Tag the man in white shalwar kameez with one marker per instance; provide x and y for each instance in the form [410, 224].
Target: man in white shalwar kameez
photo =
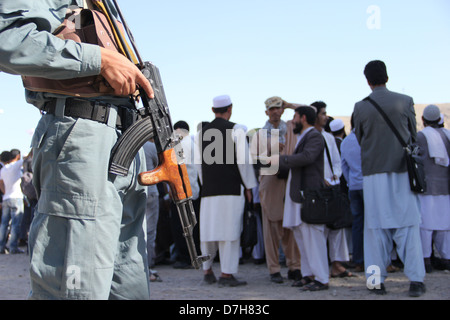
[227, 177]
[392, 210]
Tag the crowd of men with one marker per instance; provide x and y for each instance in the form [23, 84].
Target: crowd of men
[312, 150]
[87, 92]
[389, 220]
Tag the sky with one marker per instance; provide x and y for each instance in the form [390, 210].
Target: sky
[302, 51]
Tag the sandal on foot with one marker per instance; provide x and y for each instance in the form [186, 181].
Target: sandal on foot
[343, 274]
[154, 277]
[302, 282]
[315, 286]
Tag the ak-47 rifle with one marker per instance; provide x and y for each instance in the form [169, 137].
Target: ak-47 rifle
[153, 122]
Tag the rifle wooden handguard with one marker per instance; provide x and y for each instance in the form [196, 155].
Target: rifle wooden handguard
[171, 172]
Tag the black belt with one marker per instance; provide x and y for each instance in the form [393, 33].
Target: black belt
[93, 110]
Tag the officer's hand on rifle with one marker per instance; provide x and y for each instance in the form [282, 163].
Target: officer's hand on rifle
[122, 75]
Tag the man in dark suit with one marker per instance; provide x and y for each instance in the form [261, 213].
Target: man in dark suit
[306, 166]
[306, 169]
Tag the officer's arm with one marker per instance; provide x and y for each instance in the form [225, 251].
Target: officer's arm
[27, 46]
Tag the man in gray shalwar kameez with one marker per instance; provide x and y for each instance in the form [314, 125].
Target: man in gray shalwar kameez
[392, 211]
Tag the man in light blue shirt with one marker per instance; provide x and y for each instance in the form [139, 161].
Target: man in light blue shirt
[87, 239]
[351, 169]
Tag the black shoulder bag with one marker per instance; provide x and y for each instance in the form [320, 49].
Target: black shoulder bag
[327, 205]
[249, 235]
[344, 217]
[415, 168]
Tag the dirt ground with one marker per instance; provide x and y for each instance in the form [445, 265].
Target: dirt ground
[188, 285]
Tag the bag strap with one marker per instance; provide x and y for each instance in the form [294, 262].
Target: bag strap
[388, 121]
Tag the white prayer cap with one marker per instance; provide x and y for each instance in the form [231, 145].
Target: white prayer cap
[441, 122]
[431, 113]
[222, 101]
[336, 125]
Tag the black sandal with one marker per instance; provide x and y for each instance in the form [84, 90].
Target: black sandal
[343, 274]
[315, 286]
[303, 282]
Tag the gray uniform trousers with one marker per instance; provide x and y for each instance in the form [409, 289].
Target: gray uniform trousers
[87, 239]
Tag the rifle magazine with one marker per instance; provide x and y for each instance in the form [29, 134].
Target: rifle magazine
[128, 146]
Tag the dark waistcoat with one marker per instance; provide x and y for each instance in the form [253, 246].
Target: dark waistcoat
[219, 169]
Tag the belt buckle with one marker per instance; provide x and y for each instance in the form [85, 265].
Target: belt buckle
[100, 112]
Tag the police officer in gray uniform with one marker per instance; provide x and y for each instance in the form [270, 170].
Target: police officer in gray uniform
[87, 238]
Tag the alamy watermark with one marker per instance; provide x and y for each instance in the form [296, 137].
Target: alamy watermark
[73, 281]
[373, 22]
[374, 279]
[233, 147]
[74, 21]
